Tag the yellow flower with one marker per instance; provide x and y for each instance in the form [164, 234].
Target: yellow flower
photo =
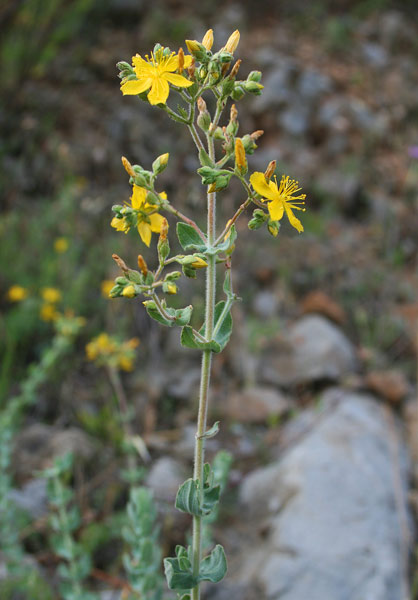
[106, 286]
[233, 41]
[156, 73]
[51, 295]
[61, 245]
[48, 312]
[171, 288]
[17, 293]
[281, 198]
[128, 291]
[207, 41]
[107, 350]
[148, 220]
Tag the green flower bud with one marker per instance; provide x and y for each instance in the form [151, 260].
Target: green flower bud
[254, 76]
[160, 163]
[253, 87]
[228, 86]
[116, 291]
[173, 276]
[273, 227]
[203, 121]
[237, 92]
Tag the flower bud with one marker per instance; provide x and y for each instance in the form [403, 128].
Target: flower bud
[170, 288]
[160, 163]
[128, 166]
[121, 263]
[259, 218]
[142, 265]
[180, 56]
[273, 227]
[234, 69]
[237, 92]
[240, 160]
[129, 291]
[254, 76]
[197, 50]
[199, 263]
[163, 246]
[203, 119]
[253, 87]
[271, 167]
[192, 68]
[233, 41]
[207, 41]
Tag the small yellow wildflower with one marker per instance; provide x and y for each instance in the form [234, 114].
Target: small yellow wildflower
[149, 221]
[51, 295]
[48, 312]
[17, 293]
[107, 350]
[128, 291]
[156, 73]
[61, 245]
[106, 286]
[233, 41]
[281, 198]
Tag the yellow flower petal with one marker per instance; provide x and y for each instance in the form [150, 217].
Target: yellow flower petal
[259, 183]
[156, 222]
[293, 220]
[135, 87]
[144, 231]
[177, 80]
[138, 196]
[140, 64]
[159, 91]
[187, 61]
[276, 210]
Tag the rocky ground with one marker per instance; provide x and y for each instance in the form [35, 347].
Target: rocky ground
[316, 392]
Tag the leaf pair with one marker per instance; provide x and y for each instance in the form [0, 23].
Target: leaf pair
[179, 572]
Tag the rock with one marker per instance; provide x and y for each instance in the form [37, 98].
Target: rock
[312, 84]
[330, 511]
[375, 55]
[319, 302]
[411, 423]
[390, 385]
[165, 477]
[313, 350]
[277, 86]
[37, 445]
[32, 498]
[184, 383]
[256, 405]
[295, 119]
[266, 304]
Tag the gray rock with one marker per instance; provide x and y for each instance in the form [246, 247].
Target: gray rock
[32, 498]
[256, 405]
[333, 513]
[375, 55]
[165, 477]
[314, 349]
[277, 86]
[265, 304]
[295, 119]
[312, 84]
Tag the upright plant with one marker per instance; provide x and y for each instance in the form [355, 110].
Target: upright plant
[153, 78]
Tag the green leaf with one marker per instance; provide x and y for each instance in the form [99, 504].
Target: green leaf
[177, 579]
[205, 159]
[187, 499]
[155, 314]
[224, 332]
[213, 568]
[212, 431]
[189, 340]
[181, 316]
[228, 242]
[189, 238]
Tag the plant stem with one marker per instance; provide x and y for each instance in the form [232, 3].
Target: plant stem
[205, 378]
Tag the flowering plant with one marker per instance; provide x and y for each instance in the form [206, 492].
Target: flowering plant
[201, 72]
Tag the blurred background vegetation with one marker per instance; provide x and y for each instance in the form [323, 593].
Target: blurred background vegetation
[340, 115]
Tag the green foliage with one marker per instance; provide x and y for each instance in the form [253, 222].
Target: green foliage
[222, 331]
[179, 571]
[35, 29]
[189, 238]
[64, 521]
[143, 561]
